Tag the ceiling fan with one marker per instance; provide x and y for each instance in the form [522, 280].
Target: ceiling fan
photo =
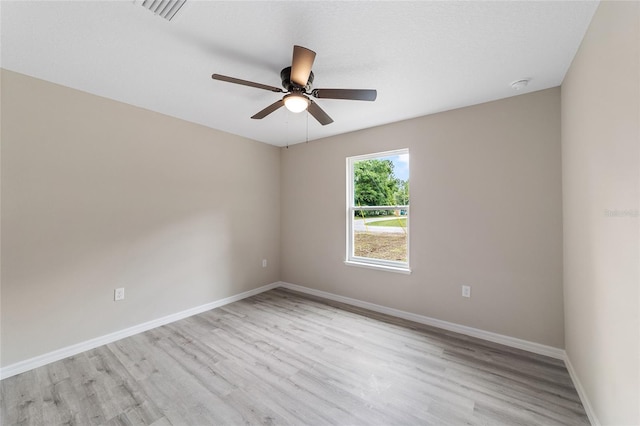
[297, 80]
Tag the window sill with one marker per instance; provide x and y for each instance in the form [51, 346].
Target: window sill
[396, 269]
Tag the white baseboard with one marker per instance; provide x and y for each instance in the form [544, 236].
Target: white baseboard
[462, 329]
[581, 392]
[39, 361]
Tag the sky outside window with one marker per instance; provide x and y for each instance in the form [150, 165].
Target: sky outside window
[400, 165]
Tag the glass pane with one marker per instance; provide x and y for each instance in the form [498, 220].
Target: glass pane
[380, 234]
[382, 181]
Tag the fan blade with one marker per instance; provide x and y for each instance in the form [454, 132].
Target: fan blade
[318, 113]
[301, 65]
[351, 94]
[268, 110]
[246, 83]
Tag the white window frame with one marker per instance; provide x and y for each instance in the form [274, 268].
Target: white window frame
[368, 262]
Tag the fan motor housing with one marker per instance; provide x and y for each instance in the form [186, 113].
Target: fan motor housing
[290, 86]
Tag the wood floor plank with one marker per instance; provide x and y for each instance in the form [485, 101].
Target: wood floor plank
[283, 358]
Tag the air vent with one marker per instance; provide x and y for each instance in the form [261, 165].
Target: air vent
[164, 8]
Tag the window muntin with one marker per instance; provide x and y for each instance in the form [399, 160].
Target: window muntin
[378, 210]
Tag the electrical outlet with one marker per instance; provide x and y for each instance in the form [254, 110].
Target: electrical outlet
[466, 291]
[118, 294]
[264, 263]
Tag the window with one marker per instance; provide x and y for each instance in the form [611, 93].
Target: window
[378, 210]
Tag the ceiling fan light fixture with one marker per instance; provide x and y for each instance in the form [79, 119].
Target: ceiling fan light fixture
[296, 102]
[296, 81]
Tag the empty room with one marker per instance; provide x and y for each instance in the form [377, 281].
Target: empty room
[319, 212]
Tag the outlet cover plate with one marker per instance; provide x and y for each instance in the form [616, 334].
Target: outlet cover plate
[466, 291]
[118, 294]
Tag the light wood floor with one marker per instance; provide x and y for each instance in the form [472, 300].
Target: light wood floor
[284, 358]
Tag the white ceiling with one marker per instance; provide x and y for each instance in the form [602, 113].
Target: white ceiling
[422, 57]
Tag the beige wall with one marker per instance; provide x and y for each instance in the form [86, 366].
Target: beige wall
[97, 194]
[600, 160]
[486, 212]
